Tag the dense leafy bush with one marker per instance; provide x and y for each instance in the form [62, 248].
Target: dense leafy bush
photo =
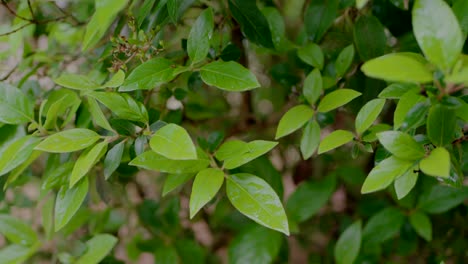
[183, 131]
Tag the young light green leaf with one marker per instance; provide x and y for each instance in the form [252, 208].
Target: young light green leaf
[86, 161]
[313, 86]
[336, 99]
[149, 75]
[113, 159]
[173, 142]
[344, 60]
[310, 139]
[401, 145]
[198, 42]
[397, 90]
[175, 180]
[421, 224]
[97, 248]
[254, 198]
[360, 4]
[15, 106]
[382, 175]
[334, 140]
[440, 198]
[106, 11]
[205, 186]
[16, 153]
[152, 161]
[293, 119]
[368, 114]
[116, 80]
[398, 67]
[17, 254]
[68, 202]
[406, 102]
[230, 149]
[98, 115]
[256, 149]
[437, 164]
[77, 82]
[382, 226]
[299, 205]
[61, 102]
[440, 126]
[312, 54]
[441, 40]
[229, 76]
[122, 105]
[68, 141]
[348, 245]
[16, 231]
[405, 183]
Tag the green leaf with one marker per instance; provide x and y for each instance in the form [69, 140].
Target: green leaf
[437, 164]
[254, 198]
[368, 114]
[301, 207]
[68, 141]
[313, 86]
[106, 11]
[360, 4]
[406, 102]
[256, 149]
[86, 161]
[441, 122]
[277, 29]
[173, 7]
[116, 80]
[16, 231]
[61, 102]
[293, 119]
[122, 105]
[382, 226]
[173, 142]
[149, 75]
[68, 202]
[255, 245]
[348, 245]
[17, 254]
[398, 67]
[401, 145]
[460, 9]
[165, 254]
[229, 76]
[198, 42]
[15, 106]
[77, 82]
[384, 173]
[231, 149]
[336, 99]
[97, 248]
[113, 159]
[369, 47]
[344, 60]
[98, 115]
[397, 90]
[150, 160]
[319, 17]
[205, 186]
[252, 22]
[312, 54]
[440, 198]
[441, 40]
[16, 153]
[422, 224]
[175, 180]
[405, 183]
[310, 139]
[334, 140]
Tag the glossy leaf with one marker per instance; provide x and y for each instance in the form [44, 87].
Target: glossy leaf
[293, 119]
[68, 141]
[150, 160]
[231, 149]
[113, 159]
[173, 142]
[401, 145]
[16, 153]
[86, 161]
[405, 183]
[313, 86]
[198, 43]
[16, 231]
[205, 186]
[344, 60]
[310, 139]
[369, 47]
[437, 163]
[122, 105]
[440, 126]
[229, 76]
[254, 198]
[384, 173]
[406, 102]
[149, 75]
[397, 90]
[68, 202]
[382, 226]
[117, 80]
[422, 224]
[441, 40]
[77, 82]
[175, 180]
[98, 115]
[15, 106]
[348, 245]
[311, 54]
[318, 18]
[438, 198]
[334, 140]
[256, 149]
[368, 114]
[97, 248]
[336, 99]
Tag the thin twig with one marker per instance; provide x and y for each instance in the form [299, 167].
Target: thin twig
[9, 73]
[77, 22]
[16, 30]
[4, 3]
[32, 21]
[31, 10]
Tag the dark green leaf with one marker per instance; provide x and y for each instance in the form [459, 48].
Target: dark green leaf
[348, 245]
[382, 226]
[113, 159]
[310, 139]
[318, 18]
[460, 9]
[422, 224]
[229, 76]
[198, 43]
[439, 198]
[441, 123]
[68, 202]
[344, 60]
[369, 47]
